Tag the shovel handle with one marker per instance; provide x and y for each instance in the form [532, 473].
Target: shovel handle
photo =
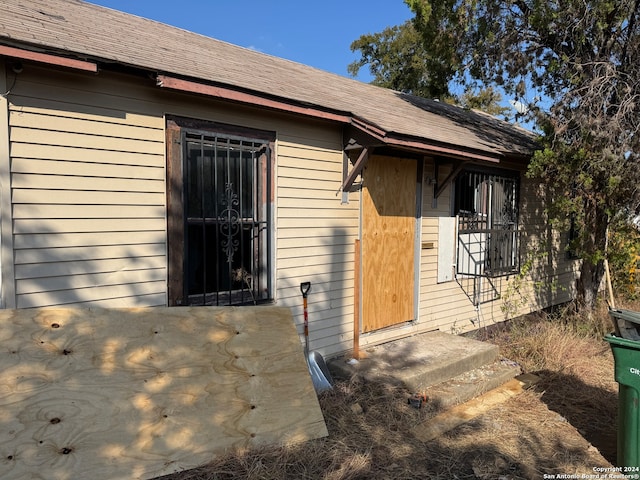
[304, 288]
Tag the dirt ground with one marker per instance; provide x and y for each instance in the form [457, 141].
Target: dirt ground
[565, 425]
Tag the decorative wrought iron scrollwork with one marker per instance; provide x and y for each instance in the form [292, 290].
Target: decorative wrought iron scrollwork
[231, 222]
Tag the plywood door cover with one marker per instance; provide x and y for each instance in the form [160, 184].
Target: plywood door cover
[388, 242]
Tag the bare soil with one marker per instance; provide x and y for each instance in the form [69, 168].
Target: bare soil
[565, 425]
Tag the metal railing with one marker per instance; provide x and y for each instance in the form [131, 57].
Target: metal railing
[484, 255]
[490, 252]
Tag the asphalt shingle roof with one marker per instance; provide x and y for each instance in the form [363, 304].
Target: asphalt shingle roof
[82, 30]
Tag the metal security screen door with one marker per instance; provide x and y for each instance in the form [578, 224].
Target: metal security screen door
[226, 242]
[487, 208]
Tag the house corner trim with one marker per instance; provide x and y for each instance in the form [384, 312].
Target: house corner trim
[7, 272]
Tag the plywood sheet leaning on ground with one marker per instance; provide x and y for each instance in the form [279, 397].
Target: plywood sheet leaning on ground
[141, 393]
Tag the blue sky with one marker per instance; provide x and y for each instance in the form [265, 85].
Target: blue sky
[317, 32]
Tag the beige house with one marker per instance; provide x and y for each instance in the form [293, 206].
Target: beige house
[143, 165]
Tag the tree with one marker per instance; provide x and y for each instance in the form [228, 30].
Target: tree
[398, 60]
[486, 99]
[582, 58]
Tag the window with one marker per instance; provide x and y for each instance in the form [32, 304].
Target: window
[220, 247]
[486, 205]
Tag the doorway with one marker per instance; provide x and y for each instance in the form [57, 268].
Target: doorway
[388, 242]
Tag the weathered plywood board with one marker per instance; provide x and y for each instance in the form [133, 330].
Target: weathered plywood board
[139, 393]
[388, 241]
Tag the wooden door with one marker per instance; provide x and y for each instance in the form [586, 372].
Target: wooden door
[388, 242]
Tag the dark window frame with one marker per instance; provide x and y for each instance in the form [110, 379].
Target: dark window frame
[179, 130]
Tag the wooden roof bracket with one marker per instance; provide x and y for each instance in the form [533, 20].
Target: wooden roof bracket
[349, 177]
[439, 187]
[434, 183]
[356, 137]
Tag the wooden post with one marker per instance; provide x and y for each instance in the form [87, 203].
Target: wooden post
[612, 302]
[356, 302]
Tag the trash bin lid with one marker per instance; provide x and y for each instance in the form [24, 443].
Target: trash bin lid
[622, 342]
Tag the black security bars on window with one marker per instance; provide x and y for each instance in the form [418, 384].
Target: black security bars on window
[226, 215]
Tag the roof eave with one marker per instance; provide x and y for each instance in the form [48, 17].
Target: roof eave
[424, 146]
[228, 93]
[388, 138]
[39, 57]
[231, 94]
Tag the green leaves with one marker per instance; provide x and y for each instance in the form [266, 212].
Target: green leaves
[397, 59]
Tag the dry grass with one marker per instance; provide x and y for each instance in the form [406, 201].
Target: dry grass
[557, 341]
[575, 364]
[548, 430]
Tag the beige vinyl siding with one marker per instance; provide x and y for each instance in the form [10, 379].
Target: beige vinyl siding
[88, 195]
[89, 202]
[436, 299]
[447, 307]
[316, 236]
[7, 287]
[89, 198]
[553, 275]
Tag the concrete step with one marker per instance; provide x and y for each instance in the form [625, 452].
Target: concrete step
[471, 384]
[439, 422]
[419, 361]
[449, 369]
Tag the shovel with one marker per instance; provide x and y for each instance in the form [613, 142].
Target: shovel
[317, 368]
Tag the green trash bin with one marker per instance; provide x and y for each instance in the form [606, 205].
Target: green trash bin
[626, 354]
